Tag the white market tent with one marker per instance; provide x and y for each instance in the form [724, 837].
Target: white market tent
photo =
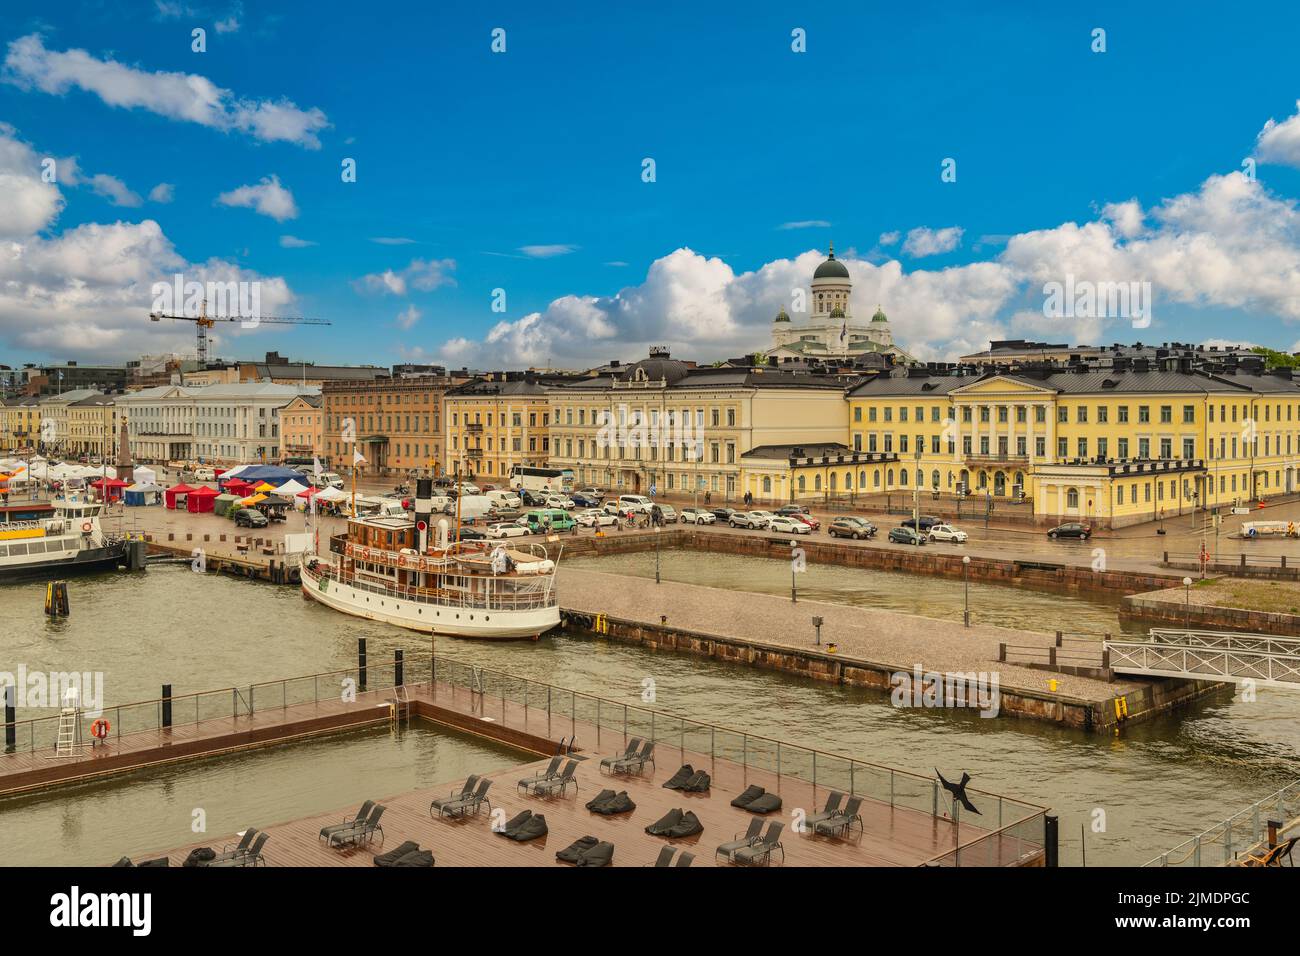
[290, 488]
[144, 475]
[331, 494]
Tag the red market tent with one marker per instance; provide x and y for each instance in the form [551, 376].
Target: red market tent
[237, 486]
[307, 492]
[111, 487]
[200, 500]
[171, 494]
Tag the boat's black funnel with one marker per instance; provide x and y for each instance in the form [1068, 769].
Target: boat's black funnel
[423, 512]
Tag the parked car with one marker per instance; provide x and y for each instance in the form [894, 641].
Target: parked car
[946, 532]
[533, 499]
[204, 474]
[595, 518]
[698, 516]
[905, 535]
[788, 524]
[849, 526]
[807, 519]
[538, 520]
[595, 493]
[506, 530]
[637, 504]
[503, 514]
[723, 514]
[667, 513]
[563, 502]
[925, 522]
[1071, 529]
[466, 534]
[250, 518]
[755, 520]
[792, 510]
[584, 500]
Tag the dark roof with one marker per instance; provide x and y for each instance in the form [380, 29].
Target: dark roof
[483, 386]
[806, 450]
[832, 268]
[1089, 380]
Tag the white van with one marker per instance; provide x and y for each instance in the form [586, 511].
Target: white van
[637, 504]
[328, 479]
[504, 499]
[471, 507]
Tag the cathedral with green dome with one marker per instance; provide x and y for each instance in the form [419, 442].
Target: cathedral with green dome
[830, 331]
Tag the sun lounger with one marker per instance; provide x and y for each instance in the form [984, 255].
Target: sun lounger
[228, 852]
[352, 821]
[551, 772]
[685, 859]
[361, 832]
[636, 762]
[760, 851]
[455, 796]
[840, 821]
[665, 857]
[249, 857]
[832, 807]
[547, 788]
[731, 846]
[628, 751]
[468, 803]
[1274, 856]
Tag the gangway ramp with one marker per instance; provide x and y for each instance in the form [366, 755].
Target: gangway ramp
[1209, 655]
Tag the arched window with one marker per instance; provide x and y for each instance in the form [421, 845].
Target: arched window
[934, 479]
[817, 483]
[889, 478]
[802, 486]
[832, 478]
[1072, 498]
[862, 479]
[902, 477]
[983, 480]
[848, 481]
[767, 485]
[876, 478]
[999, 484]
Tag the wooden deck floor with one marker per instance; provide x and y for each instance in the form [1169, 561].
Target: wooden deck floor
[890, 837]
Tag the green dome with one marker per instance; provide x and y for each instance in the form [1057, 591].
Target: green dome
[832, 268]
[880, 315]
[781, 316]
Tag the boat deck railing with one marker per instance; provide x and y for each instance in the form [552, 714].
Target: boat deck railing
[1018, 829]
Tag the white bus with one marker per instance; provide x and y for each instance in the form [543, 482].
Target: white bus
[541, 479]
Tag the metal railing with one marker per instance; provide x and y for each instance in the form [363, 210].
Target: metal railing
[1209, 655]
[1220, 844]
[532, 596]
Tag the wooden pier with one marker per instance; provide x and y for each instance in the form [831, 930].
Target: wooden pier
[905, 816]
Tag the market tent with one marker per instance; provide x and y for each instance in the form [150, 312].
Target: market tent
[331, 494]
[308, 492]
[235, 472]
[237, 486]
[200, 500]
[143, 493]
[264, 486]
[110, 488]
[222, 505]
[290, 488]
[255, 500]
[143, 475]
[174, 492]
[275, 474]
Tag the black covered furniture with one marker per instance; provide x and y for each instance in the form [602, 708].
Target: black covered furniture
[608, 803]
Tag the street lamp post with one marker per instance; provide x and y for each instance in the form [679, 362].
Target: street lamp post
[656, 554]
[1187, 591]
[965, 573]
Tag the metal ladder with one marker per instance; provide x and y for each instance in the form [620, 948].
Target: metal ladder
[69, 726]
[400, 708]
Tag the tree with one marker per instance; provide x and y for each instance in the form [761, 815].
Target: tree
[1276, 359]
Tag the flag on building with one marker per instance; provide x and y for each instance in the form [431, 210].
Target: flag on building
[357, 458]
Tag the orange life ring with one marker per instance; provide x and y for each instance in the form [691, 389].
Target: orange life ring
[87, 527]
[99, 729]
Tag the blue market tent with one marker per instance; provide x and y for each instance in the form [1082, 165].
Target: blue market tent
[145, 493]
[273, 474]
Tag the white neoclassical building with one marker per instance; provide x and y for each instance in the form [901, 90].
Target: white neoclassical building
[831, 332]
[224, 424]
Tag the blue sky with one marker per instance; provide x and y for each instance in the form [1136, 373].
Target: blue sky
[522, 170]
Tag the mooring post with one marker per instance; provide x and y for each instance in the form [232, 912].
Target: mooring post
[166, 705]
[11, 718]
[361, 663]
[1051, 831]
[397, 668]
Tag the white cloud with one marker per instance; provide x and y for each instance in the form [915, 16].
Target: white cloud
[230, 23]
[890, 238]
[268, 198]
[162, 193]
[87, 291]
[392, 240]
[420, 274]
[187, 97]
[293, 242]
[805, 224]
[408, 317]
[114, 190]
[546, 252]
[922, 241]
[1227, 244]
[1280, 142]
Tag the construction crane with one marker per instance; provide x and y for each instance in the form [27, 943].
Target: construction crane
[203, 322]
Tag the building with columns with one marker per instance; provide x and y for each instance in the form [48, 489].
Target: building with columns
[1116, 444]
[830, 333]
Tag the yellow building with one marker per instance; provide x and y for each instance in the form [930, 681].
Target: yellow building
[495, 423]
[302, 428]
[664, 424]
[1117, 444]
[20, 424]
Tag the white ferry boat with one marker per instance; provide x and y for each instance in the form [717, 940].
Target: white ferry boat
[389, 568]
[53, 539]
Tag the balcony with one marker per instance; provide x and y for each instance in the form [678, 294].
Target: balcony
[991, 459]
[475, 428]
[473, 452]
